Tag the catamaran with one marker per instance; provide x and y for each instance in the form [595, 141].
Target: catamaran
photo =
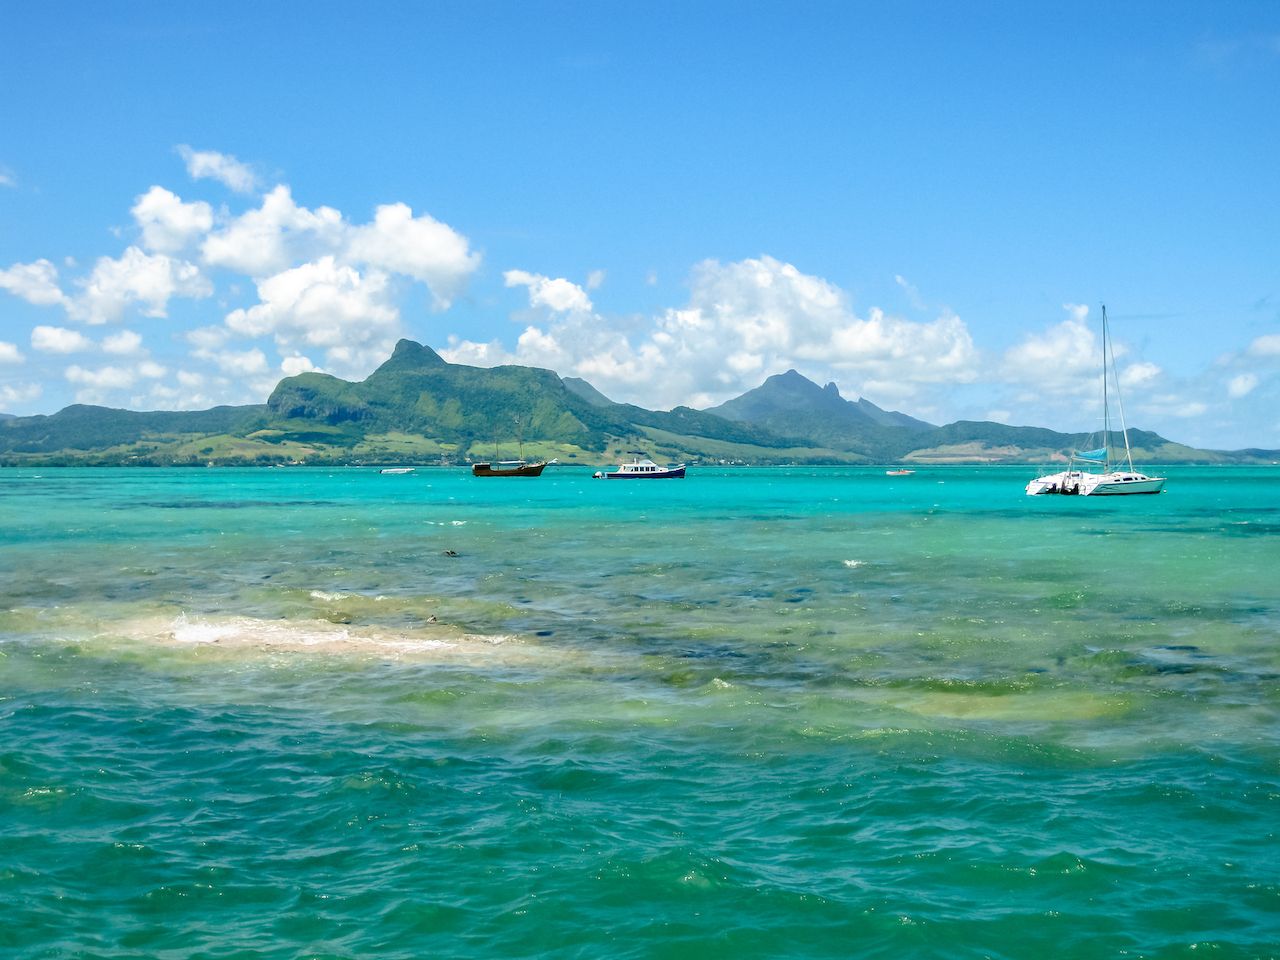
[1109, 479]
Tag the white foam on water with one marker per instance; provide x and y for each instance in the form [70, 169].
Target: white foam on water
[245, 633]
[328, 597]
[853, 564]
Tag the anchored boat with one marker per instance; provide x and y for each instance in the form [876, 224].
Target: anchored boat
[508, 468]
[642, 468]
[1107, 479]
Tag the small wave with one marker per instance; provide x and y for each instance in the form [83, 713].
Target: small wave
[854, 564]
[328, 597]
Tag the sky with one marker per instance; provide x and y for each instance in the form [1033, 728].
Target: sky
[924, 203]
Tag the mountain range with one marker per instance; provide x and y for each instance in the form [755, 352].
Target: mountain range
[419, 408]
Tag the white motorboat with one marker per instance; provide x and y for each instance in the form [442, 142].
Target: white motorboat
[642, 468]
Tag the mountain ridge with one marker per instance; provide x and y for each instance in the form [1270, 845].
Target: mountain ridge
[416, 407]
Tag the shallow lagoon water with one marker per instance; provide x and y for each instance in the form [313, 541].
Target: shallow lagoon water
[803, 712]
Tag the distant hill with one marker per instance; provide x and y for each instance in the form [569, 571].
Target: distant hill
[789, 403]
[419, 408]
[586, 391]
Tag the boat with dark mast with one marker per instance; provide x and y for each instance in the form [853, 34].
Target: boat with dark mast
[509, 468]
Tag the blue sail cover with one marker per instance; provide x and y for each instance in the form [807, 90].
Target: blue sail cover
[1099, 455]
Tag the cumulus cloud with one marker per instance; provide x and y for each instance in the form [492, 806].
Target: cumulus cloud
[274, 236]
[223, 167]
[1063, 360]
[240, 363]
[111, 378]
[744, 321]
[420, 247]
[13, 394]
[59, 340]
[1241, 385]
[9, 352]
[137, 277]
[36, 283]
[1139, 375]
[294, 365]
[169, 225]
[208, 338]
[124, 343]
[324, 305]
[1267, 345]
[560, 296]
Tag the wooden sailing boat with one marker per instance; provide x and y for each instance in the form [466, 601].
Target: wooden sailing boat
[509, 468]
[1110, 480]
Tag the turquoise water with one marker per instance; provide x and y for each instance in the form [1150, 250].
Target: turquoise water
[755, 713]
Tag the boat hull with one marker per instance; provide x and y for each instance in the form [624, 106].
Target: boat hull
[1078, 483]
[676, 473]
[523, 470]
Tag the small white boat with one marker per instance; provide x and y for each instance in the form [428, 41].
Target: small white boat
[1106, 481]
[642, 468]
[397, 470]
[898, 473]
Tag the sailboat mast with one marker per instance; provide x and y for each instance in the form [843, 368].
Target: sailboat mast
[1106, 411]
[1124, 427]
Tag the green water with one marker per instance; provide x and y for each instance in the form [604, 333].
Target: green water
[755, 713]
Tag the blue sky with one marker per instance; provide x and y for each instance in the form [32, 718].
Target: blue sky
[924, 203]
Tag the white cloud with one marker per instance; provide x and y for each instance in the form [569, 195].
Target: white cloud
[240, 363]
[491, 354]
[561, 296]
[1267, 345]
[744, 321]
[1241, 385]
[419, 247]
[208, 338]
[169, 225]
[190, 379]
[292, 366]
[59, 340]
[151, 370]
[137, 277]
[274, 236]
[7, 179]
[913, 295]
[36, 283]
[9, 353]
[124, 343]
[223, 167]
[111, 378]
[1139, 375]
[13, 394]
[1064, 360]
[595, 279]
[326, 305]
